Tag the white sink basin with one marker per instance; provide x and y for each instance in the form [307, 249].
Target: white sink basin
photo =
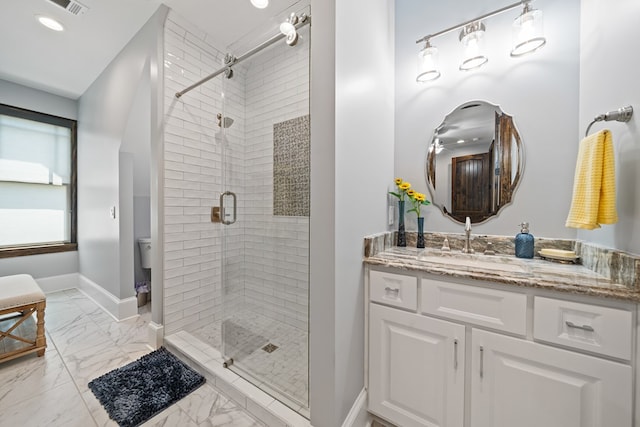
[472, 262]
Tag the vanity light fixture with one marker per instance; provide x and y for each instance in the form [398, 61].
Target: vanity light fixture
[50, 23]
[260, 4]
[527, 32]
[428, 63]
[472, 38]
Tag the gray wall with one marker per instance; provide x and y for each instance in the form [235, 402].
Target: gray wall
[540, 90]
[37, 100]
[608, 81]
[136, 142]
[351, 151]
[104, 111]
[39, 266]
[45, 265]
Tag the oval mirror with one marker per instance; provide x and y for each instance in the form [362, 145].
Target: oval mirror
[474, 162]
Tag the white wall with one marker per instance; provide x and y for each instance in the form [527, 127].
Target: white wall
[322, 222]
[45, 265]
[351, 166]
[103, 115]
[608, 81]
[540, 91]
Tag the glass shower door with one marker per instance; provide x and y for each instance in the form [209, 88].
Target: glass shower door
[265, 211]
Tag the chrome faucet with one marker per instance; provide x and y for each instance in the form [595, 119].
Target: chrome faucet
[467, 244]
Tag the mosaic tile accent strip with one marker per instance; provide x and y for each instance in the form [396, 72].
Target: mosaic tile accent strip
[291, 169]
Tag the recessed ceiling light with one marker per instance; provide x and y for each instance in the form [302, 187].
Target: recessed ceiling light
[50, 23]
[460, 141]
[260, 4]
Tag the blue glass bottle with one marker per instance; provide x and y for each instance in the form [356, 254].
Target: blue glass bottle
[524, 242]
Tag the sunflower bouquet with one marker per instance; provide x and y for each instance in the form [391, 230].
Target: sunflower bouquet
[417, 201]
[403, 189]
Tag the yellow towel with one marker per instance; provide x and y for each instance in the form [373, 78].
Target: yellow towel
[594, 186]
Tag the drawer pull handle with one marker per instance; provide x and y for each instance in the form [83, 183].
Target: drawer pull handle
[481, 362]
[389, 291]
[583, 327]
[455, 354]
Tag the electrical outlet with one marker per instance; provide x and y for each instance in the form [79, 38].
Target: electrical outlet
[112, 212]
[390, 215]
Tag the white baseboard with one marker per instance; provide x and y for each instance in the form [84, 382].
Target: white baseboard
[156, 335]
[120, 309]
[58, 283]
[358, 415]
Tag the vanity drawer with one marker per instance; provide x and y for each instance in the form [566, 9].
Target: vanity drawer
[601, 330]
[397, 290]
[496, 309]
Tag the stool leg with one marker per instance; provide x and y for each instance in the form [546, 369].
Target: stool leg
[41, 340]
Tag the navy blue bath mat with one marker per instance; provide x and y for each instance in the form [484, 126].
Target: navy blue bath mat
[136, 392]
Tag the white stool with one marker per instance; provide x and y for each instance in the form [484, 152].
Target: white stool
[21, 294]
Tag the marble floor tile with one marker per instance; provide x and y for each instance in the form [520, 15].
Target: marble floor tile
[206, 405]
[91, 363]
[60, 406]
[78, 337]
[171, 417]
[100, 416]
[83, 343]
[29, 376]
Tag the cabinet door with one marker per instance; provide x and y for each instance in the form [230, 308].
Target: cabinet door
[526, 384]
[416, 369]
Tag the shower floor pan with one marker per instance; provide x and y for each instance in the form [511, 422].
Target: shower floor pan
[268, 353]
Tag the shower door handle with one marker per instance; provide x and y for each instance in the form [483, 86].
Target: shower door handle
[223, 212]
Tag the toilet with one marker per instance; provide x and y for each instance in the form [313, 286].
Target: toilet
[144, 244]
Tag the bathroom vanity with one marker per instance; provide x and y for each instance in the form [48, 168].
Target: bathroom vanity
[497, 341]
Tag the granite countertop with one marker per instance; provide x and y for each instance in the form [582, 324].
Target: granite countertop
[532, 273]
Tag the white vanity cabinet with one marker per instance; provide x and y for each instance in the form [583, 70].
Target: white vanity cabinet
[522, 383]
[417, 368]
[444, 352]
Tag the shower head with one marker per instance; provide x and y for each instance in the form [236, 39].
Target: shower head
[223, 122]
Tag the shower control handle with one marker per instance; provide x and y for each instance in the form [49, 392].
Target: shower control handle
[222, 210]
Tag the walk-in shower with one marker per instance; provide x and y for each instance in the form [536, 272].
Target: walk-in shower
[236, 221]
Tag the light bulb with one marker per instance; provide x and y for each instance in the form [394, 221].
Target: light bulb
[260, 4]
[286, 27]
[50, 23]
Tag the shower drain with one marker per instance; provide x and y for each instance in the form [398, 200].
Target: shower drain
[270, 348]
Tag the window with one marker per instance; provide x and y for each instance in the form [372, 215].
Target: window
[37, 182]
